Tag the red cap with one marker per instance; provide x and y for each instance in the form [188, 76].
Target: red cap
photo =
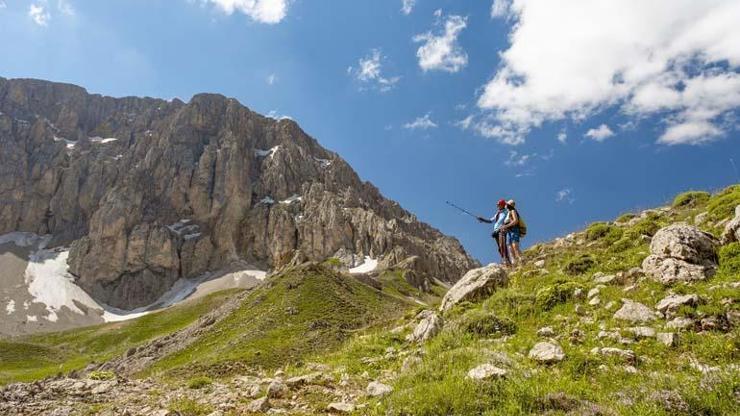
[501, 202]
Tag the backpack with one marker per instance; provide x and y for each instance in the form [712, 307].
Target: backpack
[522, 226]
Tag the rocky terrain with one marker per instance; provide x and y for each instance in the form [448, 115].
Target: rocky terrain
[639, 316]
[145, 192]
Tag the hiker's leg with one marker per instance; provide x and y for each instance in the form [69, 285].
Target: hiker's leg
[504, 251]
[516, 254]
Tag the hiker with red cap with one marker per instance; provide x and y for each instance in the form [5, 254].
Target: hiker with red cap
[498, 222]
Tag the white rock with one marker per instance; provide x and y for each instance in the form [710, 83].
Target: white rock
[673, 302]
[377, 389]
[634, 312]
[486, 371]
[429, 326]
[546, 352]
[259, 405]
[668, 339]
[341, 407]
[476, 284]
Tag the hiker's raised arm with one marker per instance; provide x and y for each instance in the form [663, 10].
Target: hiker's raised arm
[485, 220]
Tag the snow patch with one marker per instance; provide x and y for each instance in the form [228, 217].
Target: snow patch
[185, 229]
[324, 163]
[367, 266]
[292, 199]
[100, 140]
[70, 144]
[32, 318]
[10, 307]
[267, 201]
[265, 153]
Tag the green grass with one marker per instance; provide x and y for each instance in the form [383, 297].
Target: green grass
[305, 310]
[35, 357]
[690, 198]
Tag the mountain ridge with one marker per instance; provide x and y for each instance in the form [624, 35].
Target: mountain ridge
[147, 191]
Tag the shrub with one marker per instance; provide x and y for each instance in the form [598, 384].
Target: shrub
[690, 198]
[101, 375]
[199, 382]
[729, 259]
[483, 323]
[597, 230]
[648, 227]
[551, 296]
[626, 217]
[579, 265]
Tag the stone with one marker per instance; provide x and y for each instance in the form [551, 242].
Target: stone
[486, 371]
[475, 284]
[377, 389]
[671, 303]
[593, 292]
[681, 253]
[341, 407]
[731, 232]
[594, 301]
[545, 332]
[578, 293]
[430, 325]
[298, 381]
[546, 353]
[627, 355]
[259, 405]
[680, 323]
[276, 390]
[642, 332]
[605, 279]
[634, 312]
[669, 339]
[253, 391]
[539, 264]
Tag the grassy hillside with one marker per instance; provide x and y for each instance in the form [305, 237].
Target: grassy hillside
[501, 329]
[34, 357]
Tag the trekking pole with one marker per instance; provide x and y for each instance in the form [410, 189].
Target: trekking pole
[461, 209]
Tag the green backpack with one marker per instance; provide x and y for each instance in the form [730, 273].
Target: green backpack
[522, 226]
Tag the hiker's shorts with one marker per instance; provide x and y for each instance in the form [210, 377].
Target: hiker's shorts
[514, 235]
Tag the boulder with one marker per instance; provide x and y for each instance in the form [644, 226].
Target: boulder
[475, 284]
[486, 371]
[260, 405]
[377, 389]
[340, 407]
[669, 339]
[681, 253]
[732, 229]
[642, 332]
[276, 390]
[545, 332]
[546, 353]
[680, 323]
[429, 326]
[671, 303]
[634, 312]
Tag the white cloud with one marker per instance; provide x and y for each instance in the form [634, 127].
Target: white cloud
[407, 6]
[38, 13]
[600, 133]
[500, 8]
[421, 123]
[271, 79]
[2, 4]
[562, 137]
[65, 8]
[465, 123]
[263, 11]
[442, 51]
[369, 72]
[517, 159]
[565, 195]
[678, 59]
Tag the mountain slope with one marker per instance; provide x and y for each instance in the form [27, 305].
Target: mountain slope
[147, 191]
[609, 362]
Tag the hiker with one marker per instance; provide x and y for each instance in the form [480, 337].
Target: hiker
[512, 228]
[498, 222]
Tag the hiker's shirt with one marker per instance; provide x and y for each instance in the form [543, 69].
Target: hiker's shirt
[499, 219]
[510, 220]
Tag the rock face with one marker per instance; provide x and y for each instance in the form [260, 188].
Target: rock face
[731, 232]
[476, 284]
[679, 253]
[147, 191]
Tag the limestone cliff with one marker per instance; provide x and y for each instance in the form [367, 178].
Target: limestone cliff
[147, 191]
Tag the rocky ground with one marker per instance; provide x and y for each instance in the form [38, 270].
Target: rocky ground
[637, 316]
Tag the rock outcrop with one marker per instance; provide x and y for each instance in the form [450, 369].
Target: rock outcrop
[681, 253]
[731, 232]
[476, 283]
[146, 191]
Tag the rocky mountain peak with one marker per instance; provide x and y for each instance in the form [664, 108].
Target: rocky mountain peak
[147, 191]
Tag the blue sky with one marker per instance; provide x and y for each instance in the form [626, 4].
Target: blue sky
[579, 110]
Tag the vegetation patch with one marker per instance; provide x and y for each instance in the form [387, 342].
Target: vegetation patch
[551, 296]
[579, 265]
[690, 198]
[101, 375]
[485, 324]
[199, 382]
